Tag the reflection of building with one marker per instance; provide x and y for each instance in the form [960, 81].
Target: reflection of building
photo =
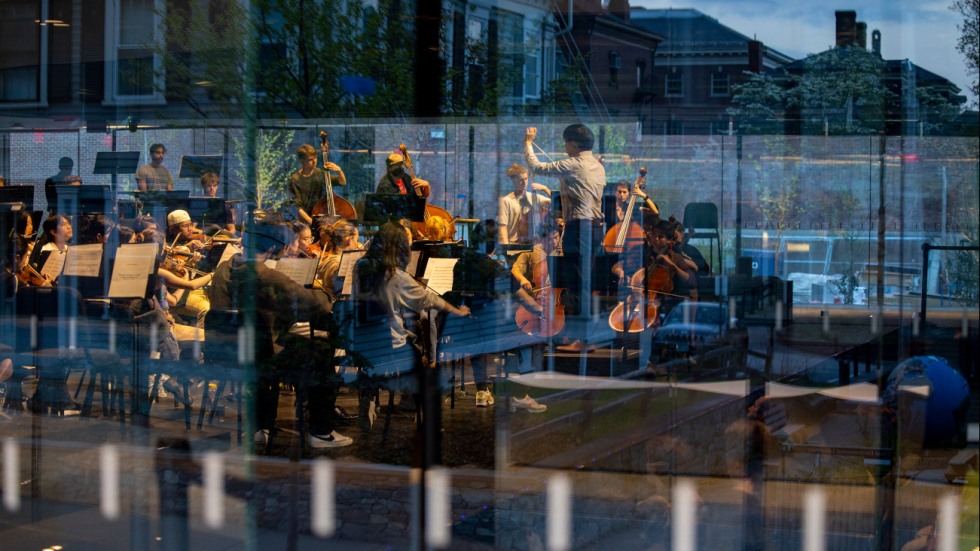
[696, 66]
[614, 56]
[913, 91]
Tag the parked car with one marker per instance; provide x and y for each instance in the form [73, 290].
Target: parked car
[694, 328]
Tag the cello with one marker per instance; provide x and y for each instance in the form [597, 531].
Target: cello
[430, 210]
[551, 320]
[331, 205]
[639, 310]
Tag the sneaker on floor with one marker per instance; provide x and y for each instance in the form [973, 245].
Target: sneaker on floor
[332, 440]
[527, 404]
[261, 437]
[484, 398]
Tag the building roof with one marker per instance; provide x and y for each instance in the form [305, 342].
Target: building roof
[687, 30]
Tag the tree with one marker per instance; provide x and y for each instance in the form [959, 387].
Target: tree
[272, 168]
[779, 191]
[305, 58]
[838, 91]
[969, 42]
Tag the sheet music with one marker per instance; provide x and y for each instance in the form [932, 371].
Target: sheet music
[347, 261]
[132, 270]
[413, 263]
[439, 272]
[54, 264]
[84, 260]
[300, 270]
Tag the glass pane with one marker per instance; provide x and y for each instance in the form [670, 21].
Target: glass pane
[20, 43]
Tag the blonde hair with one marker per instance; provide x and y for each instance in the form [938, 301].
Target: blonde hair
[436, 227]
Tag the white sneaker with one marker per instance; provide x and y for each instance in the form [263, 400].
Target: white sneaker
[261, 437]
[484, 398]
[332, 440]
[527, 404]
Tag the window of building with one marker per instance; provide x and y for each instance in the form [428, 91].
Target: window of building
[134, 72]
[674, 83]
[615, 64]
[21, 41]
[719, 84]
[641, 73]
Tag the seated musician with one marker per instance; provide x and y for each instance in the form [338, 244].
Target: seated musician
[334, 240]
[181, 231]
[94, 229]
[209, 189]
[301, 243]
[183, 243]
[380, 279]
[437, 229]
[396, 180]
[57, 233]
[681, 245]
[279, 303]
[514, 209]
[677, 266]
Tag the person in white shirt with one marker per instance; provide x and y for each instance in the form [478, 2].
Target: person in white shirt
[519, 210]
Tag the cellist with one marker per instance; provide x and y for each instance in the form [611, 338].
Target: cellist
[306, 185]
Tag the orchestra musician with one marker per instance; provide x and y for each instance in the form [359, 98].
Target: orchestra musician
[184, 242]
[209, 185]
[514, 209]
[380, 278]
[334, 240]
[581, 179]
[623, 195]
[280, 303]
[307, 186]
[300, 246]
[182, 231]
[680, 268]
[396, 180]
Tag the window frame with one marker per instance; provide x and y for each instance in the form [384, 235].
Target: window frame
[112, 96]
[42, 65]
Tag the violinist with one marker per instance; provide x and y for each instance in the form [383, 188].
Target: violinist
[24, 244]
[182, 232]
[396, 180]
[514, 209]
[301, 245]
[334, 240]
[307, 186]
[186, 295]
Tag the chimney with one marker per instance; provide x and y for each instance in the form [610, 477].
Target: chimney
[876, 42]
[620, 9]
[862, 35]
[846, 23]
[755, 56]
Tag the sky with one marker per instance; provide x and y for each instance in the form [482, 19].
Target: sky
[924, 32]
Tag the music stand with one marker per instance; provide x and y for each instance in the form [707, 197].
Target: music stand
[84, 198]
[160, 203]
[116, 162]
[380, 208]
[193, 166]
[18, 194]
[207, 210]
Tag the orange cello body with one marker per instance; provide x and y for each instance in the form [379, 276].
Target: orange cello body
[551, 321]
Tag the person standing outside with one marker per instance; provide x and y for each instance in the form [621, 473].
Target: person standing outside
[514, 210]
[154, 176]
[581, 179]
[307, 186]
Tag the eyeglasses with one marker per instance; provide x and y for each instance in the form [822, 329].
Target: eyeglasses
[185, 225]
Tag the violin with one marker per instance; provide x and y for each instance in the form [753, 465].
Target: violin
[430, 210]
[29, 276]
[331, 205]
[551, 320]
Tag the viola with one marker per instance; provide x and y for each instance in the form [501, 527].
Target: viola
[331, 205]
[29, 276]
[430, 210]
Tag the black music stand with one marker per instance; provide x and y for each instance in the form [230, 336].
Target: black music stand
[193, 166]
[160, 203]
[18, 194]
[380, 208]
[85, 198]
[116, 162]
[207, 210]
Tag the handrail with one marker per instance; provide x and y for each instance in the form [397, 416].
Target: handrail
[926, 249]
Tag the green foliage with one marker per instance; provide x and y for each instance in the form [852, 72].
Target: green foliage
[969, 41]
[302, 53]
[846, 285]
[758, 104]
[272, 168]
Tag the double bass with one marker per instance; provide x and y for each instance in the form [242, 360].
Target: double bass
[626, 233]
[430, 210]
[331, 205]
